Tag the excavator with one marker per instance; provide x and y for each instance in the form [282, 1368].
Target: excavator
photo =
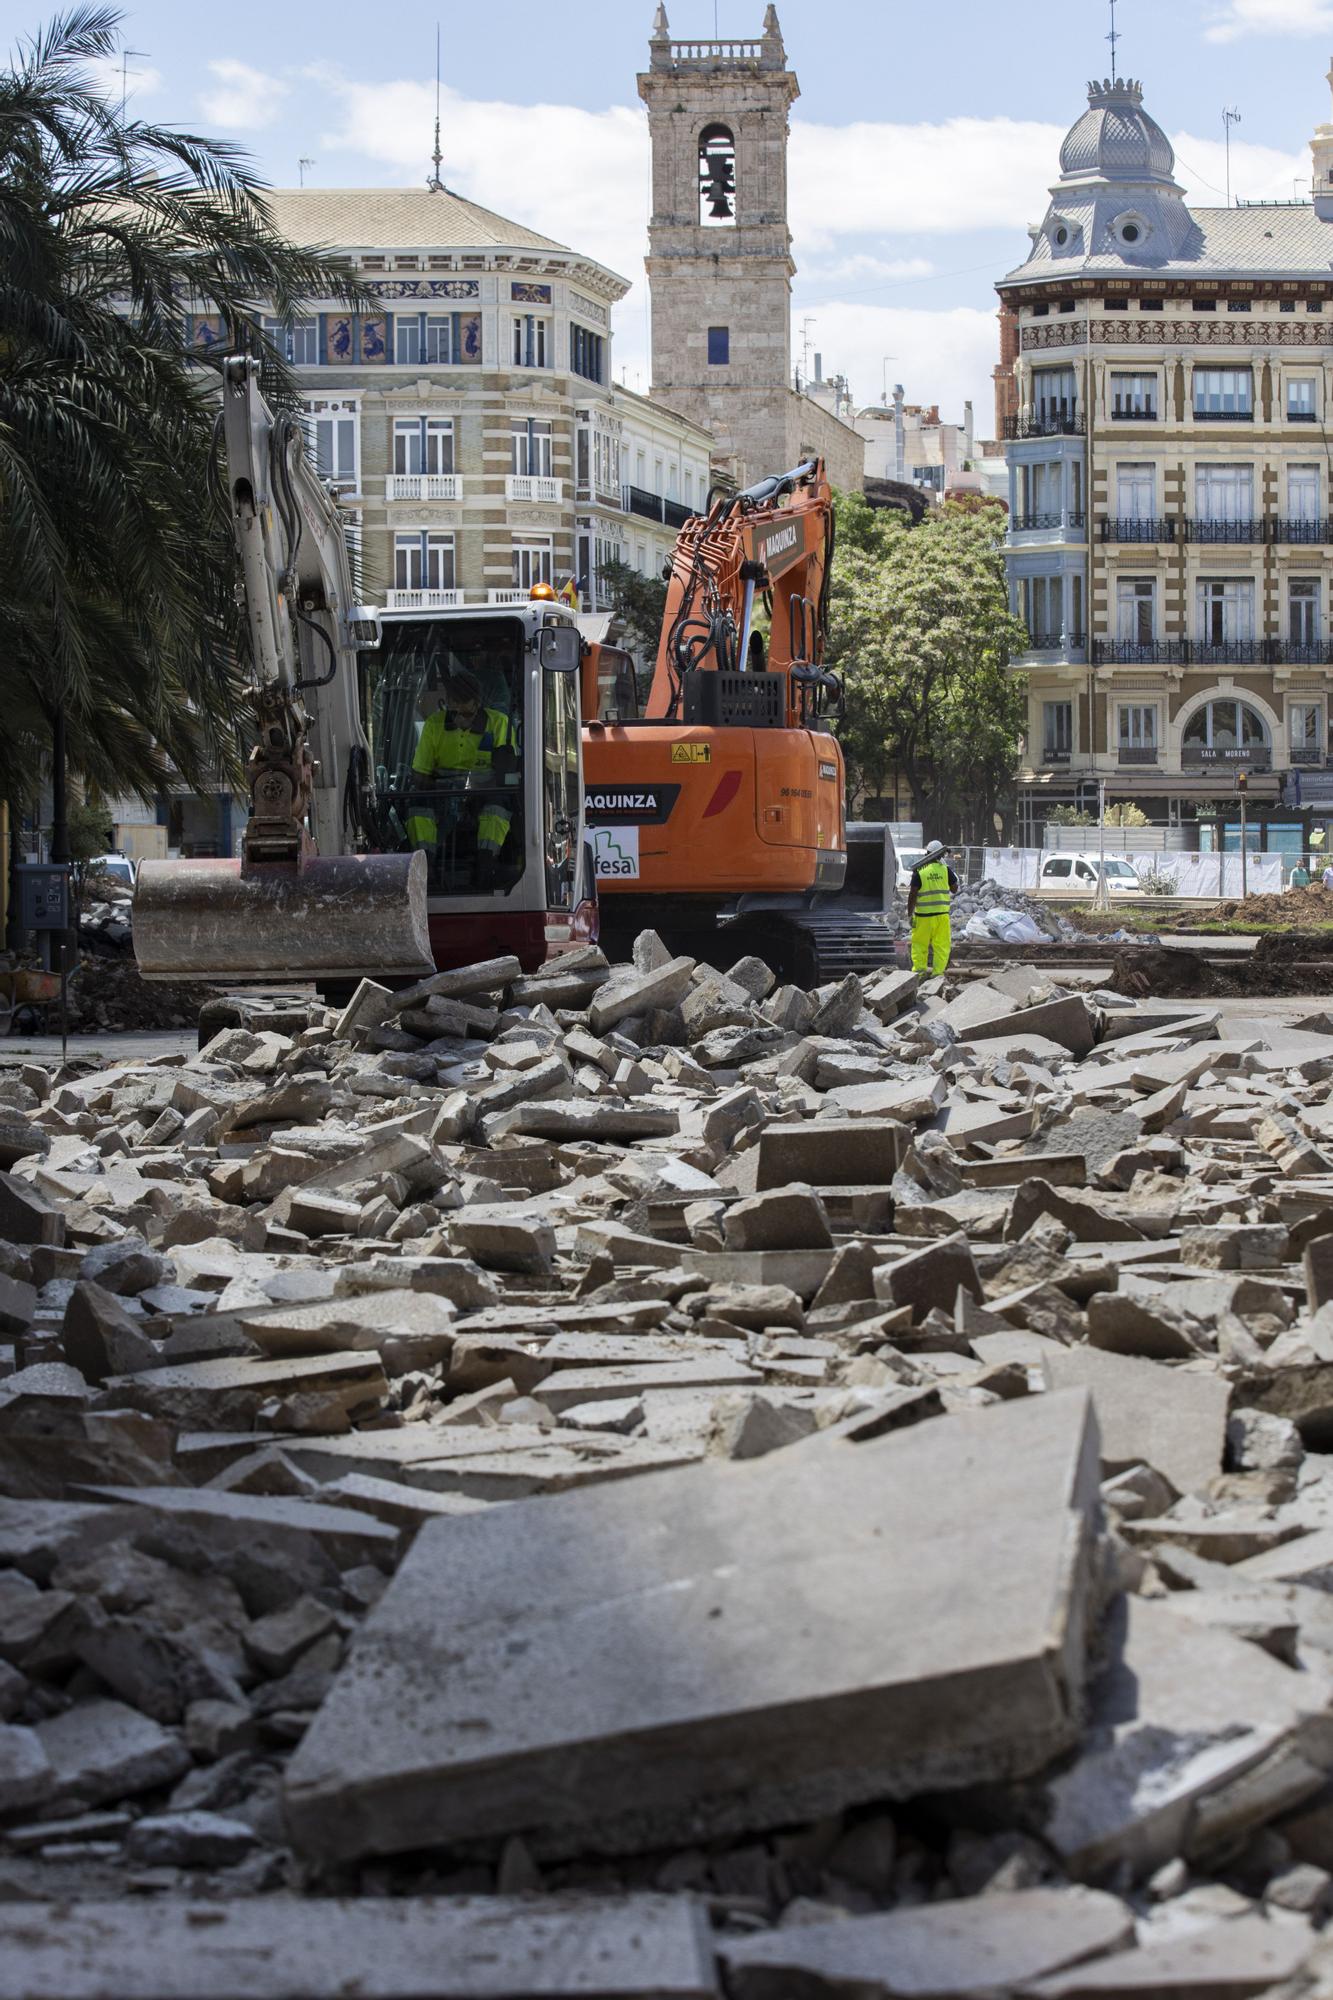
[362, 853]
[717, 816]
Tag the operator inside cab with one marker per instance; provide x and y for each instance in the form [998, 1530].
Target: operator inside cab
[461, 735]
[930, 893]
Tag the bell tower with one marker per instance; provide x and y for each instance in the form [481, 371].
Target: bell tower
[719, 249]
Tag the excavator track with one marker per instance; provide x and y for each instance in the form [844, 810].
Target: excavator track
[813, 947]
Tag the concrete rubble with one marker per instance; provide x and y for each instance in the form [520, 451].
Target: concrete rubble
[639, 1480]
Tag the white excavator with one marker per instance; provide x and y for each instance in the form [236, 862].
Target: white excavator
[381, 839]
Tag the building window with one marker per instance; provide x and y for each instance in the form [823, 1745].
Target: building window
[1314, 305]
[1224, 492]
[530, 450]
[433, 340]
[1239, 306]
[1303, 612]
[1044, 610]
[333, 436]
[1226, 611]
[1305, 731]
[1224, 392]
[717, 177]
[1135, 610]
[1133, 396]
[583, 460]
[587, 353]
[1057, 730]
[1138, 725]
[423, 444]
[532, 563]
[1054, 395]
[607, 460]
[296, 340]
[1225, 725]
[719, 346]
[1136, 492]
[529, 341]
[1302, 492]
[1301, 399]
[423, 561]
[604, 552]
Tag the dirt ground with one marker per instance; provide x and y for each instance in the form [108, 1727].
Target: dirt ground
[1287, 962]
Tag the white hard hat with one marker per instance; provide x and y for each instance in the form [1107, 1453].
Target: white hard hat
[934, 851]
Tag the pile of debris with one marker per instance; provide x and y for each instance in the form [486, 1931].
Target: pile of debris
[631, 1481]
[108, 993]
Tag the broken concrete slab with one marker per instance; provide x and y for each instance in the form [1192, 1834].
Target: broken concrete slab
[1181, 1715]
[1171, 1419]
[1243, 1956]
[636, 1947]
[831, 1152]
[929, 1278]
[673, 1578]
[984, 1944]
[101, 1750]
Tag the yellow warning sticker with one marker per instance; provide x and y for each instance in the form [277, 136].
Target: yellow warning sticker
[691, 753]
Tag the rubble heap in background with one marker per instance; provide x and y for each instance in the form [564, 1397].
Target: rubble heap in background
[634, 1481]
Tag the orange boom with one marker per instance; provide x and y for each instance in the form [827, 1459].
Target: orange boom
[717, 817]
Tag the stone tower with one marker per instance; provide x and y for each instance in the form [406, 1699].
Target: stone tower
[719, 249]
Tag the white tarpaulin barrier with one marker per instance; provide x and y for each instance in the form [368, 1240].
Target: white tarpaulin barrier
[1194, 874]
[1011, 867]
[1214, 874]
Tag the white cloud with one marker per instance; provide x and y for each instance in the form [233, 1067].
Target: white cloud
[1270, 17]
[245, 97]
[860, 266]
[1259, 173]
[959, 175]
[138, 79]
[941, 357]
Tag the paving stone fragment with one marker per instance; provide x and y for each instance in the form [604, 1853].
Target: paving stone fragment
[790, 1218]
[698, 1709]
[101, 1750]
[1171, 1419]
[824, 1153]
[101, 1339]
[929, 1278]
[1226, 1961]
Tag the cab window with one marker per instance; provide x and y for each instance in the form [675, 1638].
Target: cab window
[1060, 868]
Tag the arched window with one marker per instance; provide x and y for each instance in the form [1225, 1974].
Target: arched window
[1225, 725]
[717, 177]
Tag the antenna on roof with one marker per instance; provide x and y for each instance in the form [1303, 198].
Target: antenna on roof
[433, 181]
[1229, 118]
[1113, 38]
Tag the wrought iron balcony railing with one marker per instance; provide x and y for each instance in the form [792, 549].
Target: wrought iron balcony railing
[1197, 530]
[1149, 528]
[1141, 653]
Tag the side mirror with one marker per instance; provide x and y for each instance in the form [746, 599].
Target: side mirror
[560, 649]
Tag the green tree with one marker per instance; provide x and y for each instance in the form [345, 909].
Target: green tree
[118, 612]
[639, 602]
[921, 630]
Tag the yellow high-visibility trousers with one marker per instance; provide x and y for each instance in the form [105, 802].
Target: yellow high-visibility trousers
[930, 935]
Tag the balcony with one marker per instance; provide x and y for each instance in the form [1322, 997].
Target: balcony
[1302, 416]
[1231, 532]
[1241, 757]
[1044, 424]
[423, 486]
[422, 600]
[510, 596]
[675, 514]
[1144, 653]
[1306, 534]
[534, 486]
[1152, 528]
[1119, 416]
[1224, 416]
[1051, 524]
[1138, 753]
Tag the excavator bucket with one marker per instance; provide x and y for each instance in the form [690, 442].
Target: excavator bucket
[345, 917]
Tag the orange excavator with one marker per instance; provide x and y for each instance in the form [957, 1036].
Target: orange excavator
[717, 817]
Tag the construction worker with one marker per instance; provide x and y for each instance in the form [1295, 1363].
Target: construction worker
[930, 893]
[459, 736]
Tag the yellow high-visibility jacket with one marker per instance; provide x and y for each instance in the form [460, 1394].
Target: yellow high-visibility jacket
[446, 747]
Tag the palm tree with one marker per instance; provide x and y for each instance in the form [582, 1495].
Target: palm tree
[120, 631]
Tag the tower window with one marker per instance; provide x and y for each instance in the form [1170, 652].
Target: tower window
[719, 346]
[717, 176]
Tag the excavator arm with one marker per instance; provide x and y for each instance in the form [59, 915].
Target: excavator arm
[285, 910]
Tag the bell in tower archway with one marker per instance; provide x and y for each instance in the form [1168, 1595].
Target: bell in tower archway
[717, 175]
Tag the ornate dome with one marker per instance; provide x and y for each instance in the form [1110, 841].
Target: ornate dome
[1115, 139]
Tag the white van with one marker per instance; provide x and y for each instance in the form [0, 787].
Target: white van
[1076, 875]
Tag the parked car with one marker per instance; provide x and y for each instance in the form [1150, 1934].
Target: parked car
[118, 867]
[1077, 874]
[907, 858]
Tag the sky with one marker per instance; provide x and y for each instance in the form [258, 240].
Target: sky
[923, 142]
